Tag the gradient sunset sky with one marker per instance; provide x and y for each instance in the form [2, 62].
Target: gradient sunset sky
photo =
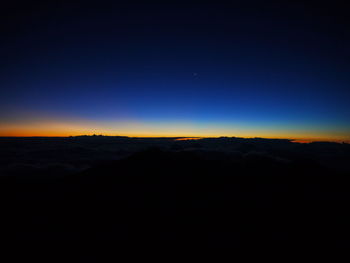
[275, 69]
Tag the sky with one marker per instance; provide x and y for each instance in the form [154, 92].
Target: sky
[275, 69]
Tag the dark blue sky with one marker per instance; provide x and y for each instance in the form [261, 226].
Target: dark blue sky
[249, 68]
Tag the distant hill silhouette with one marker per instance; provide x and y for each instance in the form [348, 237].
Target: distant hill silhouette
[63, 156]
[193, 196]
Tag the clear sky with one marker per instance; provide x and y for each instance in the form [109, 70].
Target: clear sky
[248, 69]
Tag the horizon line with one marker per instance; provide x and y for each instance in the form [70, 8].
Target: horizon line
[295, 140]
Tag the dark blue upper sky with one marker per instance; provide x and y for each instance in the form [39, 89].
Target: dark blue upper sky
[246, 66]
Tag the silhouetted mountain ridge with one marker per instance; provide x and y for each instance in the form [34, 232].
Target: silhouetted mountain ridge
[209, 193]
[61, 156]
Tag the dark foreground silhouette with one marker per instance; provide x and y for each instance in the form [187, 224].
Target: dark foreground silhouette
[162, 198]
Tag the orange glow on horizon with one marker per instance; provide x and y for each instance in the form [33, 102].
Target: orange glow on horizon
[169, 135]
[186, 130]
[304, 141]
[183, 138]
[188, 138]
